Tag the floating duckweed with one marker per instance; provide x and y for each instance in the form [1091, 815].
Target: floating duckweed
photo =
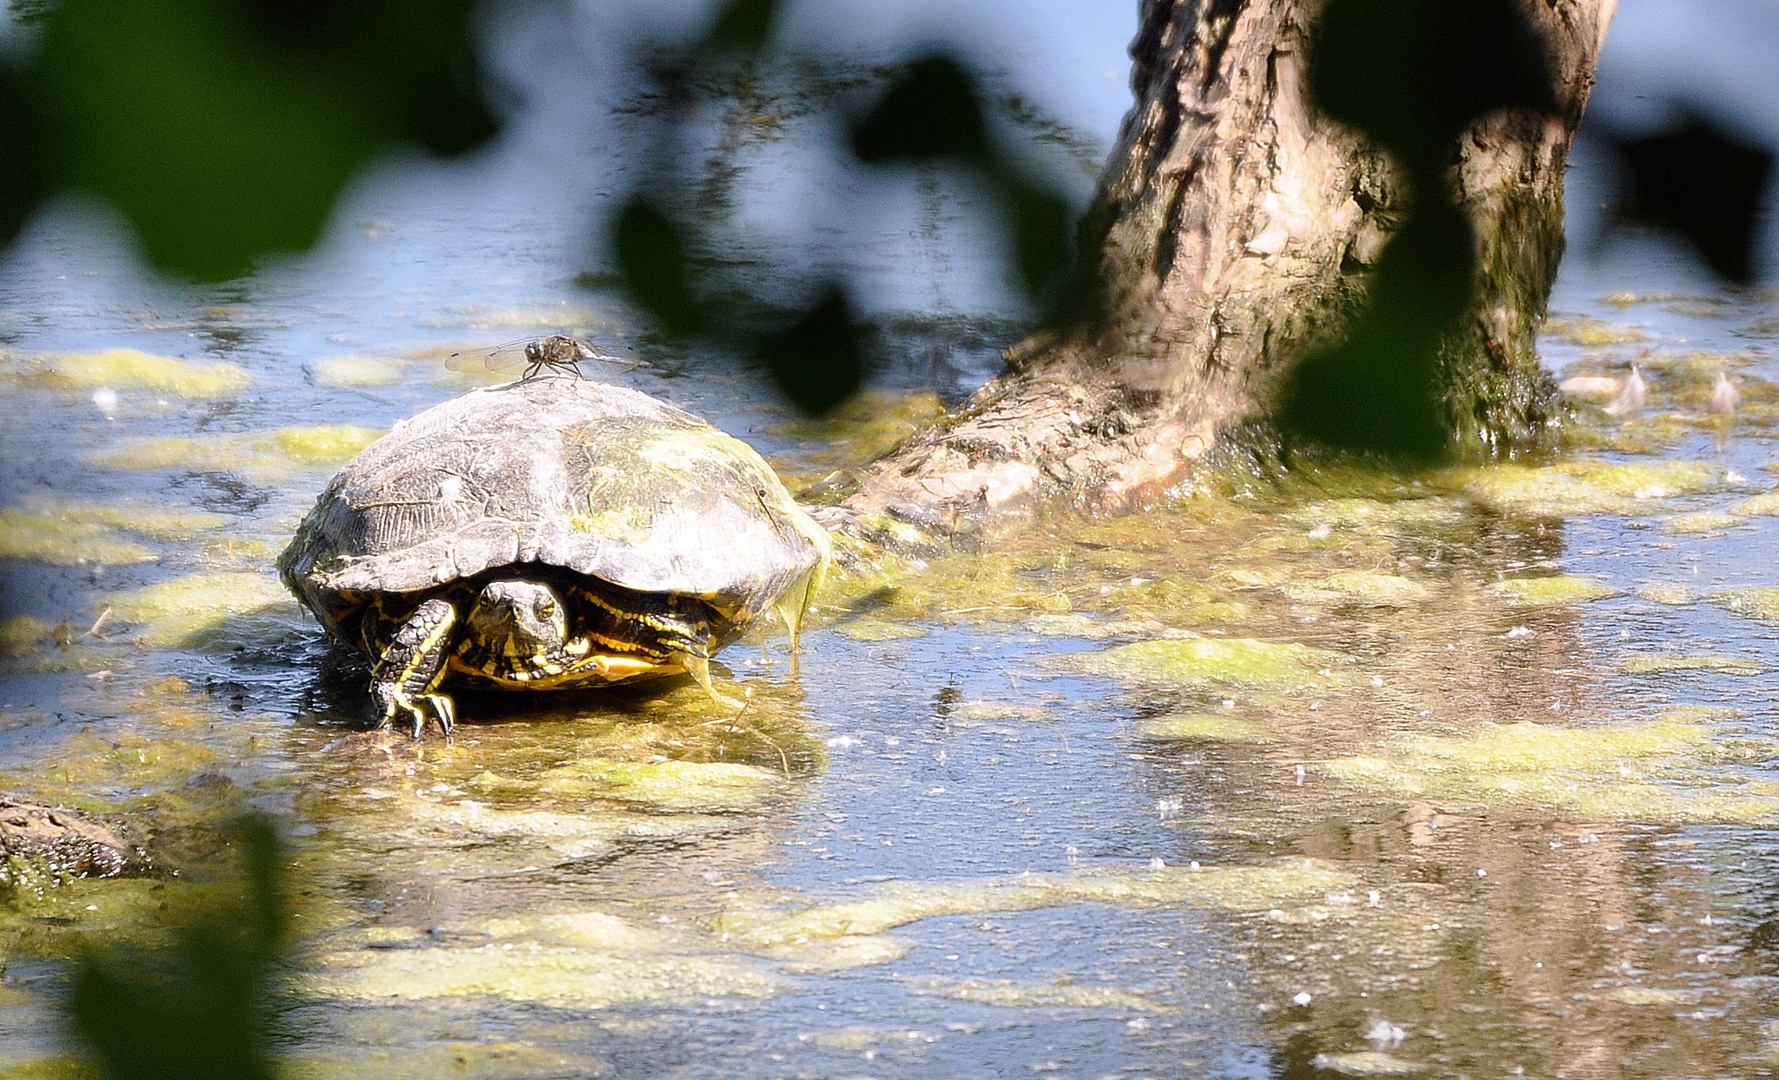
[1206, 727]
[461, 1061]
[22, 635]
[208, 610]
[1583, 487]
[1551, 590]
[576, 929]
[1589, 332]
[1700, 523]
[1393, 518]
[1617, 773]
[159, 522]
[1765, 505]
[976, 712]
[1008, 994]
[1239, 888]
[559, 977]
[1200, 662]
[1756, 602]
[102, 775]
[673, 785]
[1666, 592]
[1366, 1063]
[879, 630]
[865, 428]
[323, 444]
[1659, 663]
[838, 954]
[350, 371]
[1359, 586]
[264, 455]
[64, 542]
[1659, 480]
[568, 835]
[1651, 995]
[130, 369]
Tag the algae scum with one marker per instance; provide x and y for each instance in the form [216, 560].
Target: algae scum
[1468, 773]
[1356, 773]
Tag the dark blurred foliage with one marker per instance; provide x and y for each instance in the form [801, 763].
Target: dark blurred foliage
[226, 128]
[1412, 75]
[1703, 182]
[209, 1006]
[932, 111]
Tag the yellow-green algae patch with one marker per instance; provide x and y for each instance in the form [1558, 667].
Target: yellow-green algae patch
[1703, 522]
[128, 369]
[1647, 771]
[1008, 994]
[1660, 663]
[879, 630]
[1756, 602]
[1765, 505]
[459, 1060]
[59, 1067]
[1204, 727]
[1358, 586]
[1589, 487]
[1666, 592]
[64, 542]
[1235, 888]
[1588, 332]
[1651, 995]
[1560, 589]
[204, 610]
[22, 635]
[1202, 662]
[575, 929]
[670, 785]
[575, 835]
[1366, 1063]
[159, 522]
[566, 978]
[345, 372]
[260, 455]
[837, 954]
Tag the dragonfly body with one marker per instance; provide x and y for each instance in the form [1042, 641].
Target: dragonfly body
[557, 353]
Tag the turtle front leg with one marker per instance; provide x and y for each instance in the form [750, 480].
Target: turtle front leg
[411, 667]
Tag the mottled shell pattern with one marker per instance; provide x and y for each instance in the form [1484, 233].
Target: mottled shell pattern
[565, 472]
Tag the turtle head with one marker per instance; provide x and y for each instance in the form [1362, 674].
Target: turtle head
[519, 618]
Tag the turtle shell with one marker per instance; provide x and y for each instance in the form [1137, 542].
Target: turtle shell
[560, 472]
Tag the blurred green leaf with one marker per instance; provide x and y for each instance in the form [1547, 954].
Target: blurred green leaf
[652, 261]
[226, 128]
[819, 361]
[22, 180]
[742, 26]
[1412, 74]
[1042, 230]
[206, 1008]
[1704, 183]
[931, 111]
[1377, 390]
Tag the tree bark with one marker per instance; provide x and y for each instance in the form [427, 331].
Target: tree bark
[1234, 229]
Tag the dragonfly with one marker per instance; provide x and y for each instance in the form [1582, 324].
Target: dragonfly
[557, 354]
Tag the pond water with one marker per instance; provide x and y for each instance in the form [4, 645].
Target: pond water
[1456, 774]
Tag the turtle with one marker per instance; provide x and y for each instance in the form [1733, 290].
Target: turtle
[553, 532]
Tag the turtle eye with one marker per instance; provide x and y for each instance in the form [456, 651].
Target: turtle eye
[546, 609]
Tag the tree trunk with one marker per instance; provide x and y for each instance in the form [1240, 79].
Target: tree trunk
[1235, 229]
